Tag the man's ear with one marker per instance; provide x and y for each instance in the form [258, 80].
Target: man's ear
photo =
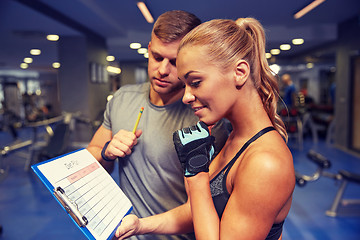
[242, 71]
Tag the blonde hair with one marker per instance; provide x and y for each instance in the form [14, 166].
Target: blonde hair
[226, 42]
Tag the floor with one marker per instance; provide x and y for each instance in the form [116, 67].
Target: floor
[28, 211]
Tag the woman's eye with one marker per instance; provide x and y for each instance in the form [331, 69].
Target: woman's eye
[195, 83]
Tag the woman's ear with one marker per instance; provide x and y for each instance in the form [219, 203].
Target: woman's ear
[242, 71]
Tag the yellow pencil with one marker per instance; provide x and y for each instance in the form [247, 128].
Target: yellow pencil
[138, 119]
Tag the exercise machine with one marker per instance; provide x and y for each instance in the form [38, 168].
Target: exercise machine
[343, 176]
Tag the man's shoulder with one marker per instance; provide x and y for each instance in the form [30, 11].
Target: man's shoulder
[132, 88]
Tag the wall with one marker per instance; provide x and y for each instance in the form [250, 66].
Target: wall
[348, 47]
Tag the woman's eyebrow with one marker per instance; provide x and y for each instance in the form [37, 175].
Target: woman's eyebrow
[188, 73]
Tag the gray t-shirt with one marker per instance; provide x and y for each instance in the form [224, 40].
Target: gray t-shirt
[151, 176]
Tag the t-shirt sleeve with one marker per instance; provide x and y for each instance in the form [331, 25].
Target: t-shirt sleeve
[107, 122]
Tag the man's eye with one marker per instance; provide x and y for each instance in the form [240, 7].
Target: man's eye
[158, 59]
[173, 62]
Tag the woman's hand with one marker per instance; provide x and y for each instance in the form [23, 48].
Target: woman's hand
[129, 226]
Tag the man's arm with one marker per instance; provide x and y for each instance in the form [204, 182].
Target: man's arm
[119, 146]
[96, 145]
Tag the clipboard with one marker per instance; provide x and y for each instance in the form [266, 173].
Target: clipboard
[87, 193]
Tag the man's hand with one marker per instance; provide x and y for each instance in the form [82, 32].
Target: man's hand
[121, 144]
[194, 148]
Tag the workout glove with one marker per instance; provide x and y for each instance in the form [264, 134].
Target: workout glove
[194, 148]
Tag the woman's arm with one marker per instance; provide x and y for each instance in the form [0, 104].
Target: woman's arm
[205, 218]
[175, 221]
[261, 196]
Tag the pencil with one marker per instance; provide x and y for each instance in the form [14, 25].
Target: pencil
[138, 119]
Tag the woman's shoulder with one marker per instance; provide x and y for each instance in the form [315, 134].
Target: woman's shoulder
[268, 157]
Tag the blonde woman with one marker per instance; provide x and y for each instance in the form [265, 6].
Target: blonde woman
[246, 190]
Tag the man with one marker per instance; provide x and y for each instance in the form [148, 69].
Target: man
[150, 173]
[289, 90]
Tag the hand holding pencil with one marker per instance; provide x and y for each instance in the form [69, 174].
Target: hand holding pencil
[122, 142]
[138, 119]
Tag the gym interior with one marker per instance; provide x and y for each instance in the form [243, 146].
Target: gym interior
[52, 102]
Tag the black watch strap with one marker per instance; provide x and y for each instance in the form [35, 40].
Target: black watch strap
[103, 153]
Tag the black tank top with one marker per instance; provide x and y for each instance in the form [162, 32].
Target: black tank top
[219, 191]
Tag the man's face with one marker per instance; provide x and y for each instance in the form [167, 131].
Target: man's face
[162, 67]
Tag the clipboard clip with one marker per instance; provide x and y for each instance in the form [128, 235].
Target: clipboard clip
[70, 207]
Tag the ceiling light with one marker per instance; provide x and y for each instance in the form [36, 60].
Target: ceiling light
[275, 68]
[145, 12]
[309, 65]
[112, 69]
[135, 45]
[52, 37]
[308, 8]
[142, 50]
[109, 97]
[56, 65]
[35, 51]
[24, 65]
[297, 41]
[28, 60]
[146, 55]
[285, 47]
[110, 58]
[268, 55]
[275, 51]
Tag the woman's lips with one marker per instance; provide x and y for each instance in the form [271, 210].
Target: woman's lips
[197, 109]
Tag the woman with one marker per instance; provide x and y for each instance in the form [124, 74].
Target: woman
[247, 190]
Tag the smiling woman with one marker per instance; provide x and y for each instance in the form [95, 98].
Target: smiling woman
[229, 197]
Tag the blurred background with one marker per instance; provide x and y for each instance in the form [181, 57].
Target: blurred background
[61, 61]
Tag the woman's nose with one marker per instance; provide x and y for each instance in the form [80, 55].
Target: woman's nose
[188, 96]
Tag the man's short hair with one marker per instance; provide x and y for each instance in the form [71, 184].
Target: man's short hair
[174, 25]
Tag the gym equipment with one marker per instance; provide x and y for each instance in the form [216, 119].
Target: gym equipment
[321, 162]
[11, 148]
[346, 177]
[343, 176]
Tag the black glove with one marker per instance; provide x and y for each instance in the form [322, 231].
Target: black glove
[194, 148]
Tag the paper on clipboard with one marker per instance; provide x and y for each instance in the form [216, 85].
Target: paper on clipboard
[86, 191]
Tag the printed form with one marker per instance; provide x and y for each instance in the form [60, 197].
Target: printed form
[88, 190]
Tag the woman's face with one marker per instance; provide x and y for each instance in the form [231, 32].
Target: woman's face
[209, 90]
